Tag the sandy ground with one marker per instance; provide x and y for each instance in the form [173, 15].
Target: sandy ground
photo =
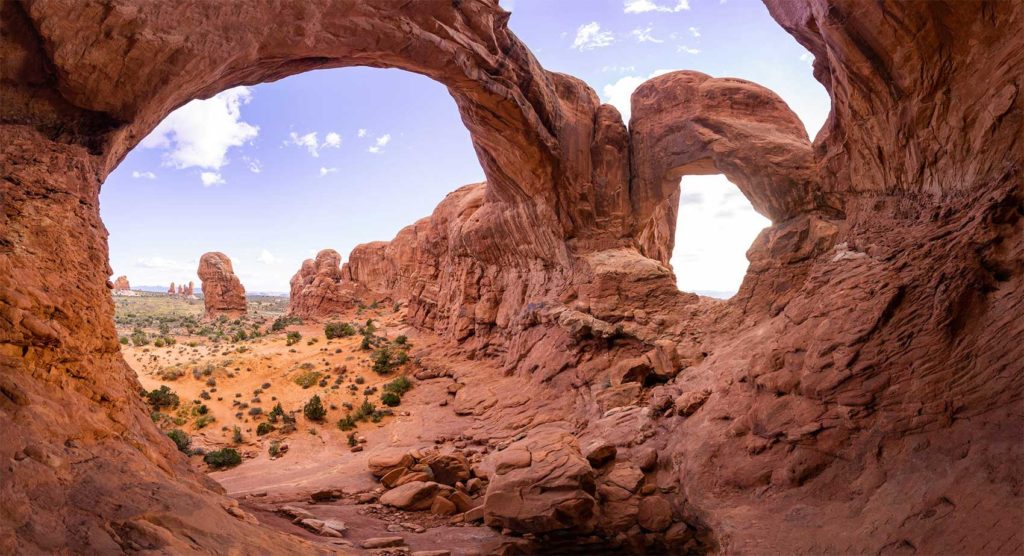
[318, 456]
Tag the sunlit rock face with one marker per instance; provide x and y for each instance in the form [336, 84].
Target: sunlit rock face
[859, 394]
[317, 289]
[223, 293]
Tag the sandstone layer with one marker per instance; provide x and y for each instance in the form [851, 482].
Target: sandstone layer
[223, 293]
[861, 393]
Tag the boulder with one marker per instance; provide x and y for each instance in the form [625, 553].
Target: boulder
[417, 495]
[599, 452]
[223, 293]
[655, 513]
[449, 469]
[381, 464]
[688, 403]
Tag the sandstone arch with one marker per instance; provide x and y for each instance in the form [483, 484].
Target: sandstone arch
[879, 324]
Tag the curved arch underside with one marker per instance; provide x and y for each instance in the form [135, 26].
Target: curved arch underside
[874, 348]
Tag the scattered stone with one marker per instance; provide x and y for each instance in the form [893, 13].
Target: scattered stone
[449, 469]
[442, 506]
[383, 542]
[655, 514]
[599, 452]
[382, 463]
[690, 402]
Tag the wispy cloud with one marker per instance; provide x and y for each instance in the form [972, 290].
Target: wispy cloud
[644, 35]
[644, 6]
[310, 141]
[380, 143]
[590, 36]
[200, 133]
[144, 175]
[324, 171]
[332, 140]
[687, 49]
[211, 178]
[361, 133]
[695, 32]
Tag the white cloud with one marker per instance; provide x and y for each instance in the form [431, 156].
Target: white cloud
[200, 133]
[380, 143]
[146, 175]
[695, 32]
[324, 171]
[211, 178]
[307, 141]
[644, 6]
[590, 36]
[266, 257]
[361, 133]
[332, 140]
[807, 58]
[255, 166]
[618, 94]
[687, 49]
[644, 35]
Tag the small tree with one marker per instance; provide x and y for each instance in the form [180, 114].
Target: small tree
[338, 330]
[162, 397]
[314, 409]
[381, 360]
[293, 337]
[390, 399]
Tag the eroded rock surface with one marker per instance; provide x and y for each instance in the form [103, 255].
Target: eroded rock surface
[121, 284]
[223, 293]
[317, 289]
[859, 394]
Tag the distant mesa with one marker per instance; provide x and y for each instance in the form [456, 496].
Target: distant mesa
[318, 289]
[122, 287]
[223, 293]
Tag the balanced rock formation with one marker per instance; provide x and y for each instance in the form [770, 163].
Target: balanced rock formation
[318, 290]
[121, 284]
[223, 293]
[859, 394]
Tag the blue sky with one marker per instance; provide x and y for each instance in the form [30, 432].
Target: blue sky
[243, 173]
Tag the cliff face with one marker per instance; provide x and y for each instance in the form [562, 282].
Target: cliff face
[858, 394]
[317, 289]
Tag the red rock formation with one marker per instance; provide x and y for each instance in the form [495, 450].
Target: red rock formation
[190, 290]
[223, 293]
[317, 289]
[121, 284]
[859, 394]
[172, 290]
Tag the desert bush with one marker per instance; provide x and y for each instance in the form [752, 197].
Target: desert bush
[347, 423]
[307, 379]
[204, 420]
[314, 409]
[264, 428]
[163, 397]
[399, 386]
[236, 435]
[382, 360]
[275, 449]
[139, 337]
[338, 330]
[124, 340]
[181, 439]
[227, 457]
[352, 440]
[281, 322]
[293, 337]
[401, 340]
[390, 399]
[254, 411]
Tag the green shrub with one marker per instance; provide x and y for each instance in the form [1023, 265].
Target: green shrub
[236, 435]
[276, 412]
[124, 340]
[308, 378]
[352, 440]
[382, 360]
[281, 322]
[367, 342]
[181, 440]
[401, 340]
[347, 423]
[390, 399]
[293, 337]
[339, 330]
[139, 337]
[399, 386]
[264, 428]
[314, 410]
[275, 449]
[227, 457]
[204, 420]
[162, 397]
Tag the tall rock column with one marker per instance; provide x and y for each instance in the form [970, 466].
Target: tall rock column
[223, 293]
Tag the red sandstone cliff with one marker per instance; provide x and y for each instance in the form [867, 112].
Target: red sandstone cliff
[861, 393]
